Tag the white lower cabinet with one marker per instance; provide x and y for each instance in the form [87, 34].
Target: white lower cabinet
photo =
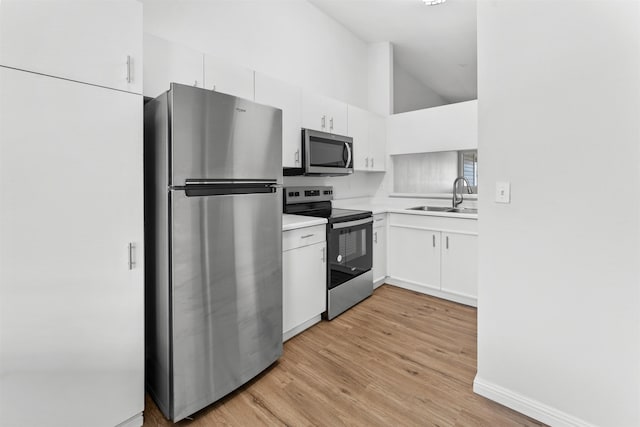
[379, 249]
[304, 271]
[459, 264]
[414, 255]
[434, 255]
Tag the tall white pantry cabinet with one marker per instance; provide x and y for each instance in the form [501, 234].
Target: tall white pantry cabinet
[71, 213]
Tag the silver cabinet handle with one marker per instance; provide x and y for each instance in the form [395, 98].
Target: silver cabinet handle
[323, 121]
[195, 83]
[375, 237]
[372, 162]
[379, 219]
[129, 77]
[296, 157]
[324, 259]
[306, 236]
[132, 260]
[433, 238]
[331, 123]
[366, 162]
[447, 242]
[214, 87]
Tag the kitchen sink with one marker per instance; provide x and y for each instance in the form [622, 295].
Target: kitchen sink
[430, 208]
[444, 209]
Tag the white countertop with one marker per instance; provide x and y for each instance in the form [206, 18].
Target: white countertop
[291, 222]
[397, 205]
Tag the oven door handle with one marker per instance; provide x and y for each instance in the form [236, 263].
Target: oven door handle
[347, 224]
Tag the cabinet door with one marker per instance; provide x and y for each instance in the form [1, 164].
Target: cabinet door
[359, 131]
[288, 98]
[314, 112]
[377, 143]
[304, 284]
[228, 78]
[166, 62]
[379, 254]
[98, 42]
[460, 264]
[337, 116]
[414, 255]
[72, 201]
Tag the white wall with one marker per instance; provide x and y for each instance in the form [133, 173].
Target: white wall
[410, 94]
[380, 70]
[559, 282]
[287, 39]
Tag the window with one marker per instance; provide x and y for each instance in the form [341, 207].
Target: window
[468, 167]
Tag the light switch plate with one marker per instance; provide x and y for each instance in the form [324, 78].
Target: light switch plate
[503, 192]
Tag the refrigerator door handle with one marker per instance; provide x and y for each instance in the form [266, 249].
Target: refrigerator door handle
[229, 188]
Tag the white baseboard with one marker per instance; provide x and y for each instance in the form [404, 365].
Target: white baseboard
[473, 302]
[379, 283]
[135, 421]
[296, 330]
[526, 406]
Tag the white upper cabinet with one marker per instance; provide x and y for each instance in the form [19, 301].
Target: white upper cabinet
[288, 98]
[368, 131]
[378, 143]
[166, 62]
[228, 78]
[359, 131]
[67, 39]
[322, 113]
[444, 128]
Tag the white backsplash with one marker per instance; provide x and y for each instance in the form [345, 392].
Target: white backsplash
[423, 173]
[358, 184]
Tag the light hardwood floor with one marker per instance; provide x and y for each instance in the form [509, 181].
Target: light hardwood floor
[399, 358]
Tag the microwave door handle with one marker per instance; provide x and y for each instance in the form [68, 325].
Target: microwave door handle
[346, 144]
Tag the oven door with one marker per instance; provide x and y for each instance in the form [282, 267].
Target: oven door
[350, 250]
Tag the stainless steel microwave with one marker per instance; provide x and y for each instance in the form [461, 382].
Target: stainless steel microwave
[326, 154]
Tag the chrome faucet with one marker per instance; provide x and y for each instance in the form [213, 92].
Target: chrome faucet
[455, 200]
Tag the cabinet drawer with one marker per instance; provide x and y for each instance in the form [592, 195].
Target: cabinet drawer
[303, 237]
[379, 220]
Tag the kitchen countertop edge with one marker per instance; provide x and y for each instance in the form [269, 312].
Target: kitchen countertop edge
[293, 222]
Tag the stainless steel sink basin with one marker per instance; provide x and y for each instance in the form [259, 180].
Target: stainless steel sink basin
[430, 208]
[444, 209]
[464, 210]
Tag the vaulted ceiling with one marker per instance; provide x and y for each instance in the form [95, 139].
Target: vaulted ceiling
[435, 44]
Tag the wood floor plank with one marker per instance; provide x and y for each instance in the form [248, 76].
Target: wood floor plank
[399, 358]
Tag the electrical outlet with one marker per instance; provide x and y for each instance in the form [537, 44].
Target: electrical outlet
[503, 192]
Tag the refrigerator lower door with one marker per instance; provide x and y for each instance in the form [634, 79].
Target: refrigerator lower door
[226, 274]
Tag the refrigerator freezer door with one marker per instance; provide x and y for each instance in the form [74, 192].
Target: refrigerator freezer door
[219, 136]
[226, 293]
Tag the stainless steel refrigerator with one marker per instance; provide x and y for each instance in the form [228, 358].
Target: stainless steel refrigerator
[213, 230]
